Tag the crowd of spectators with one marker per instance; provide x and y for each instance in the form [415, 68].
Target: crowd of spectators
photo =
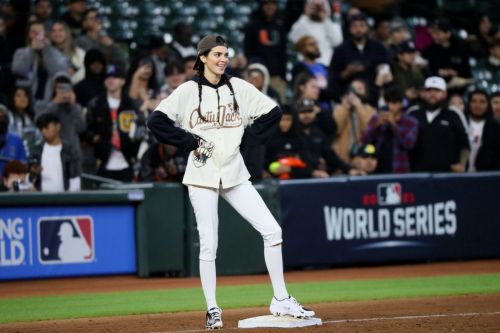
[359, 95]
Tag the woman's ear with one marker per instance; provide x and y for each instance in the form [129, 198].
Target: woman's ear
[203, 59]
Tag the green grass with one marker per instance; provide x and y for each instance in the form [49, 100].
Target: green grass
[191, 299]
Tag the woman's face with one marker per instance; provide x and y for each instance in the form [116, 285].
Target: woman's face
[286, 123]
[217, 60]
[478, 105]
[310, 90]
[58, 34]
[37, 31]
[21, 99]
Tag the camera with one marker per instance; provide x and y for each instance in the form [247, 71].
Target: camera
[20, 186]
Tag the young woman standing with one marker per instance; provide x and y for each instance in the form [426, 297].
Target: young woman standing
[208, 116]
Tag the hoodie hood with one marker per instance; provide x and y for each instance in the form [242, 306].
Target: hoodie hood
[263, 69]
[92, 56]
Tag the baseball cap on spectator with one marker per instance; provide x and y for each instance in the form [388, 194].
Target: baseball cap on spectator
[397, 23]
[206, 44]
[364, 150]
[358, 17]
[435, 82]
[304, 105]
[443, 24]
[406, 47]
[116, 71]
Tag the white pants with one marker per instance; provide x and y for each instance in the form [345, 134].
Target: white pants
[245, 199]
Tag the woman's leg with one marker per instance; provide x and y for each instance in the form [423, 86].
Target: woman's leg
[247, 202]
[205, 203]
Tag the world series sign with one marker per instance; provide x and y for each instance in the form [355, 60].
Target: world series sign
[65, 241]
[383, 219]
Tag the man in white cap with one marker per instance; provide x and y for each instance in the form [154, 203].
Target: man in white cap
[442, 144]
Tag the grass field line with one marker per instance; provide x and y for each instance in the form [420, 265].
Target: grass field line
[345, 321]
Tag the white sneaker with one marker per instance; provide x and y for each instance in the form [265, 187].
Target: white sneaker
[289, 307]
[214, 319]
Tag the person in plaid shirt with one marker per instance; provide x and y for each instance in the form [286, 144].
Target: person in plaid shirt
[393, 133]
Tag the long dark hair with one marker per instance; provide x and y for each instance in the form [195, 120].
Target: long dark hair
[199, 72]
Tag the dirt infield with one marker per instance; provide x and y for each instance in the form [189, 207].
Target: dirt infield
[469, 313]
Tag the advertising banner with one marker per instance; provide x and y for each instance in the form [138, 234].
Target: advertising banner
[38, 242]
[390, 219]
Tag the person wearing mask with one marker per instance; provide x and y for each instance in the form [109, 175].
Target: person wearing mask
[93, 83]
[37, 64]
[443, 143]
[483, 133]
[54, 164]
[109, 119]
[11, 146]
[316, 21]
[393, 133]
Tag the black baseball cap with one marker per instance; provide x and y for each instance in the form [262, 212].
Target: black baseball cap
[206, 44]
[406, 47]
[116, 71]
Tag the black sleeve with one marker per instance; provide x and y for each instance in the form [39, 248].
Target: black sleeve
[165, 131]
[263, 127]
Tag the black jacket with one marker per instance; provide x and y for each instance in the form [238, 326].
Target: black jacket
[99, 123]
[439, 143]
[488, 156]
[70, 159]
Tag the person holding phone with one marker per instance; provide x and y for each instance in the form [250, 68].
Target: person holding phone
[36, 65]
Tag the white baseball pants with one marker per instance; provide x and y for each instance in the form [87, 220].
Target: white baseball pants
[245, 199]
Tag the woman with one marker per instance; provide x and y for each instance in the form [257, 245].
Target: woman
[21, 117]
[211, 113]
[60, 36]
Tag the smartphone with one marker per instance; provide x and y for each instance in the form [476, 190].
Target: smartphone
[384, 69]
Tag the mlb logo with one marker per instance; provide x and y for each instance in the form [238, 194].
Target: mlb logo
[389, 194]
[68, 239]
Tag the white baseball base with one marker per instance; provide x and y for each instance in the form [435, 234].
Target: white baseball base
[273, 321]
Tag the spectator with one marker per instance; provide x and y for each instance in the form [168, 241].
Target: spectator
[174, 77]
[359, 57]
[189, 70]
[95, 37]
[141, 83]
[37, 64]
[182, 46]
[109, 119]
[316, 21]
[398, 34]
[21, 119]
[11, 146]
[258, 75]
[442, 144]
[308, 48]
[15, 178]
[382, 30]
[42, 13]
[393, 133]
[61, 38]
[407, 76]
[352, 117]
[364, 158]
[74, 16]
[448, 56]
[481, 39]
[55, 164]
[265, 43]
[288, 143]
[163, 163]
[65, 106]
[5, 60]
[495, 105]
[323, 159]
[483, 134]
[489, 68]
[306, 88]
[93, 83]
[456, 101]
[159, 53]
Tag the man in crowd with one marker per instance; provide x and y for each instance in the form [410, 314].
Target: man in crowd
[443, 143]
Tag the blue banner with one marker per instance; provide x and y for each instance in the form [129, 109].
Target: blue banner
[381, 219]
[40, 242]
